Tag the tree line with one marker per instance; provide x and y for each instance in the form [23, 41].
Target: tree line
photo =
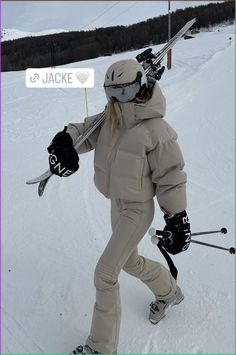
[68, 47]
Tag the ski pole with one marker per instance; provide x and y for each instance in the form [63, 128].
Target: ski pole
[222, 230]
[230, 250]
[86, 101]
[168, 236]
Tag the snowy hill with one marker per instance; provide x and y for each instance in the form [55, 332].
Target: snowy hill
[11, 33]
[50, 245]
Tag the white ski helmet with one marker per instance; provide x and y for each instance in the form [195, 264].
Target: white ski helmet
[124, 79]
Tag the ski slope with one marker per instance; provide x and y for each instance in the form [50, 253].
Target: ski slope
[50, 245]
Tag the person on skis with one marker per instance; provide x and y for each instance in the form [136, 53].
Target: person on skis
[136, 158]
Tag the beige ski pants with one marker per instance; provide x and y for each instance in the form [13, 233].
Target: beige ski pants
[130, 222]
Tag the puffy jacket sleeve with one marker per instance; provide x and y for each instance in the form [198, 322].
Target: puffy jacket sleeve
[166, 164]
[76, 129]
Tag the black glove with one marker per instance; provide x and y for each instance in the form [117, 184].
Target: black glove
[63, 158]
[179, 227]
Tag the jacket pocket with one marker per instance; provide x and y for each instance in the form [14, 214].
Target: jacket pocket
[127, 170]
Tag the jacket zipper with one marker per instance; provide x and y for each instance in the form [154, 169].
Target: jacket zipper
[113, 156]
[111, 160]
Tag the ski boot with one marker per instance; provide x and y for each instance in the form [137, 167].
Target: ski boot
[159, 308]
[84, 349]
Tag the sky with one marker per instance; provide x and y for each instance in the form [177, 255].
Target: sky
[37, 16]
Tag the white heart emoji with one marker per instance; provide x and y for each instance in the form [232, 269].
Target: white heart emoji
[82, 76]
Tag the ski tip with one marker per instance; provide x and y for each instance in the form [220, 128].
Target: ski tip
[31, 182]
[42, 186]
[191, 22]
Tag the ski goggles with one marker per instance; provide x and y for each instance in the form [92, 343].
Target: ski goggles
[122, 92]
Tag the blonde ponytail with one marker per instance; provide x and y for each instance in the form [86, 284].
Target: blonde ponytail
[111, 115]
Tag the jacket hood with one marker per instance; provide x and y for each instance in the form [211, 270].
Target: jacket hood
[131, 113]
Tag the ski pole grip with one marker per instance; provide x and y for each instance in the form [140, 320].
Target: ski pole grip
[157, 232]
[166, 236]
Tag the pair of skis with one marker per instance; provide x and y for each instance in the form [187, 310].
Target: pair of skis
[151, 64]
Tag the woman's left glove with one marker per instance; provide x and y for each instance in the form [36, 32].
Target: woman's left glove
[63, 158]
[179, 227]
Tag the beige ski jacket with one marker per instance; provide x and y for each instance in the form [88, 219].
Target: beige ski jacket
[142, 160]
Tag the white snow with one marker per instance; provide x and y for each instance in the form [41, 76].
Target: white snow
[50, 245]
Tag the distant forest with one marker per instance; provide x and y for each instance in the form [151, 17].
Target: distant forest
[68, 47]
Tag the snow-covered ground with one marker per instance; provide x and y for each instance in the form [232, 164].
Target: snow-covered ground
[50, 245]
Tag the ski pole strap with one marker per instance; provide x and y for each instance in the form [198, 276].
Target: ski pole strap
[172, 267]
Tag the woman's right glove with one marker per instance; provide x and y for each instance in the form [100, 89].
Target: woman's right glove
[63, 158]
[179, 227]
